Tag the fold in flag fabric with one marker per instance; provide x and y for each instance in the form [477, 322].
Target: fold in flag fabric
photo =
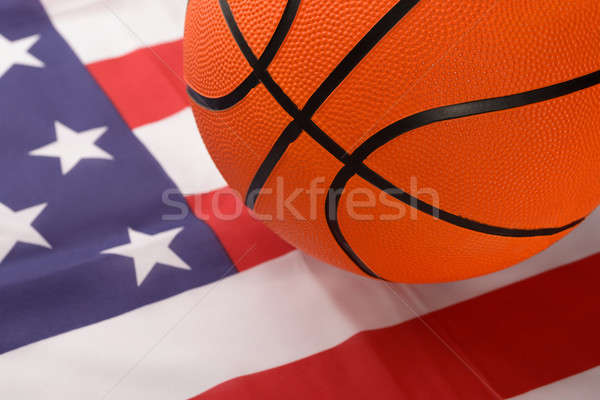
[117, 281]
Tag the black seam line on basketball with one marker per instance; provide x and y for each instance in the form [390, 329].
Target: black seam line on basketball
[251, 81]
[355, 165]
[334, 228]
[472, 108]
[346, 173]
[383, 184]
[335, 78]
[299, 118]
[337, 187]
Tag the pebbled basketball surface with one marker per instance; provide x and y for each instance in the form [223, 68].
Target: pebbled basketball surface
[489, 109]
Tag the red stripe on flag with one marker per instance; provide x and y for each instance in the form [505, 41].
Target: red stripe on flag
[533, 332]
[518, 338]
[402, 362]
[145, 85]
[247, 241]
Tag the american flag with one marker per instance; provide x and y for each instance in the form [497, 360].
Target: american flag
[119, 281]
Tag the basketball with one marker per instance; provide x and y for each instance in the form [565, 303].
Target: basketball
[410, 141]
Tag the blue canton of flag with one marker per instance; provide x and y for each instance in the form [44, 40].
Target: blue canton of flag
[82, 236]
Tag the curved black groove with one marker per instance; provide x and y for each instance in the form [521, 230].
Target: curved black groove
[289, 135]
[341, 179]
[380, 182]
[334, 227]
[231, 99]
[355, 165]
[472, 108]
[335, 78]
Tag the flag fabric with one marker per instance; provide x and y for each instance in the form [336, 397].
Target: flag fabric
[119, 281]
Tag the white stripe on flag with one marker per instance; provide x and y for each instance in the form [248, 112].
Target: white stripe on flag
[97, 30]
[267, 316]
[281, 311]
[583, 386]
[176, 144]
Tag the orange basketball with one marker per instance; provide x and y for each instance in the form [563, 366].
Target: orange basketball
[413, 141]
